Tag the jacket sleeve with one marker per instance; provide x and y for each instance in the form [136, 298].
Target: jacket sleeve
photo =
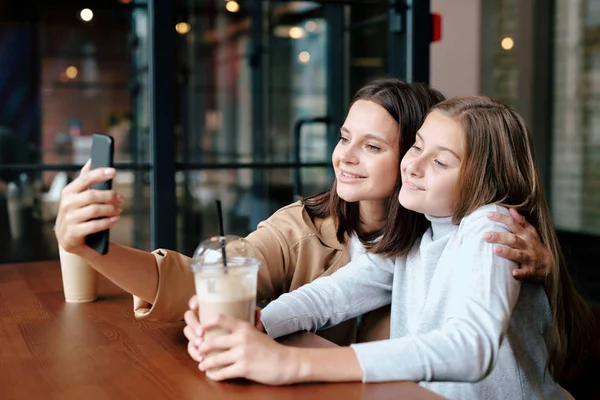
[466, 347]
[274, 252]
[176, 280]
[175, 288]
[362, 285]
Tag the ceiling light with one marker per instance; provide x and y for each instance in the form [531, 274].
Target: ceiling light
[507, 43]
[71, 72]
[232, 6]
[296, 32]
[183, 27]
[304, 57]
[86, 15]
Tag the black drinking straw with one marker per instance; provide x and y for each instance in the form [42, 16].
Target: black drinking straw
[221, 232]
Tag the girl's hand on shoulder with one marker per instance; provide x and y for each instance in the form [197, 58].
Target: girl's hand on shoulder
[523, 245]
[245, 353]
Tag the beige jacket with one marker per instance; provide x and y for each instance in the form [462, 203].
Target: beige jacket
[294, 250]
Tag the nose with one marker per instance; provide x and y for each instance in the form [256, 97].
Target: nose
[348, 154]
[415, 167]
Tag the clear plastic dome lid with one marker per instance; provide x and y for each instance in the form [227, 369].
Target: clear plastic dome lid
[238, 252]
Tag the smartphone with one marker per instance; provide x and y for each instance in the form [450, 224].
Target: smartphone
[102, 157]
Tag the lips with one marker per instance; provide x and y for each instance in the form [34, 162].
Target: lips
[348, 177]
[412, 186]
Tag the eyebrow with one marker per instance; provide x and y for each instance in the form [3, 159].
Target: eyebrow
[443, 148]
[367, 135]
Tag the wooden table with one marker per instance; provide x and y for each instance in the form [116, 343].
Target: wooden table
[54, 350]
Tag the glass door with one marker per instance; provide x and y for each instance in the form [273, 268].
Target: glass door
[263, 88]
[253, 120]
[297, 88]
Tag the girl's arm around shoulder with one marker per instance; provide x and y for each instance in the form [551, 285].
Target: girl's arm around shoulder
[362, 285]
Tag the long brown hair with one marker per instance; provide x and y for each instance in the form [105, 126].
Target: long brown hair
[408, 104]
[499, 166]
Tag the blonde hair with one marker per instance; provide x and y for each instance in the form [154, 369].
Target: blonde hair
[499, 167]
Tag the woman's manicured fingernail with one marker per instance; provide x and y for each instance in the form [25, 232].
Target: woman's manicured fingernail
[492, 215]
[109, 171]
[487, 236]
[497, 249]
[198, 342]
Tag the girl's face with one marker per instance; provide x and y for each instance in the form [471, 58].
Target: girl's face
[366, 159]
[431, 167]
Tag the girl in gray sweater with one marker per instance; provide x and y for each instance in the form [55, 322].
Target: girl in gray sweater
[460, 324]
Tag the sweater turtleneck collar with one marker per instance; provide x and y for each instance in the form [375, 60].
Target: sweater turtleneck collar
[440, 226]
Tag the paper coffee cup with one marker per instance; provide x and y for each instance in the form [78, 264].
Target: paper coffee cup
[80, 280]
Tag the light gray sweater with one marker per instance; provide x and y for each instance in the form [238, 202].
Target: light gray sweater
[461, 325]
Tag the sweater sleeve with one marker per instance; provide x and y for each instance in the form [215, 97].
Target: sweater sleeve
[467, 345]
[362, 285]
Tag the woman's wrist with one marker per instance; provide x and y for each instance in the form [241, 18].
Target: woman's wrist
[333, 364]
[298, 367]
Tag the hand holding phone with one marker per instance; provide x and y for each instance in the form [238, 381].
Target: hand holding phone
[102, 157]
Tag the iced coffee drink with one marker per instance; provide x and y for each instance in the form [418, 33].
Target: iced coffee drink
[232, 293]
[227, 288]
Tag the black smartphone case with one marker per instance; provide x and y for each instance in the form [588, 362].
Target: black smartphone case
[102, 157]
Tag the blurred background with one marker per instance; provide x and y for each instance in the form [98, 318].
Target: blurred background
[242, 101]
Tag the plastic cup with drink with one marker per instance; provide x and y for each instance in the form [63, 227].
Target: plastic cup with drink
[225, 273]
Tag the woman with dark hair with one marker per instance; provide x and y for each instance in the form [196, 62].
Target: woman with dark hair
[305, 240]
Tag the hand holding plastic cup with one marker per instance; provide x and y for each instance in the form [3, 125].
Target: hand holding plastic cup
[80, 280]
[225, 285]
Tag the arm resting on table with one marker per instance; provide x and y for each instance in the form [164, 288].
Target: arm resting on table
[361, 286]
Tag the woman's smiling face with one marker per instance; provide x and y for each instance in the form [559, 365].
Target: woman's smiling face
[366, 159]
